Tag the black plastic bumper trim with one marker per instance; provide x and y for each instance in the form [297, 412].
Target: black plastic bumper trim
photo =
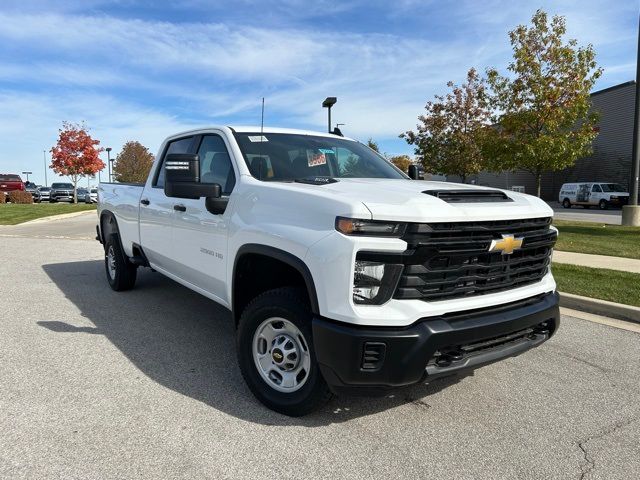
[410, 351]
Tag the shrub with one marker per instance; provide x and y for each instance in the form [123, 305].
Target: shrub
[20, 196]
[2, 197]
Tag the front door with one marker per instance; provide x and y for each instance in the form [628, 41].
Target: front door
[200, 237]
[157, 213]
[596, 194]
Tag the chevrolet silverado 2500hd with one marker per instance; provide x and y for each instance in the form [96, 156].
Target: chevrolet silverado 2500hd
[342, 273]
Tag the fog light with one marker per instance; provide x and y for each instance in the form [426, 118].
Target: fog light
[374, 282]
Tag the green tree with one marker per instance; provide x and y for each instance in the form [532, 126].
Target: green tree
[450, 135]
[544, 121]
[133, 163]
[373, 145]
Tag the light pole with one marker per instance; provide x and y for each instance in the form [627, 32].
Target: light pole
[44, 157]
[27, 174]
[108, 149]
[631, 212]
[328, 103]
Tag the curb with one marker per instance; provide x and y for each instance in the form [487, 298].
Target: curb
[53, 218]
[600, 307]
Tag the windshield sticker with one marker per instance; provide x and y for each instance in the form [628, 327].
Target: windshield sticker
[327, 150]
[315, 159]
[257, 138]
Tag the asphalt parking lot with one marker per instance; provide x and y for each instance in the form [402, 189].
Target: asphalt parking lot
[612, 216]
[98, 384]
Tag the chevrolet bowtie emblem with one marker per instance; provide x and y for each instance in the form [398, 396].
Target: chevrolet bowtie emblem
[506, 245]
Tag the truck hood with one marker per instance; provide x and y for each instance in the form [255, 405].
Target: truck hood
[403, 200]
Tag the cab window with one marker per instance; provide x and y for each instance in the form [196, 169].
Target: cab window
[215, 163]
[597, 189]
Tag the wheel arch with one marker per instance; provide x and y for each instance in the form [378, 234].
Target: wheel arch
[108, 225]
[270, 256]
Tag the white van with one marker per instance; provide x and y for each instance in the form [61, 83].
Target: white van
[588, 194]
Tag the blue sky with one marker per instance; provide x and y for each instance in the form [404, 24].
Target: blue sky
[144, 69]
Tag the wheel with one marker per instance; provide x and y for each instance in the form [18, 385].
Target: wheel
[121, 273]
[603, 204]
[276, 355]
[566, 203]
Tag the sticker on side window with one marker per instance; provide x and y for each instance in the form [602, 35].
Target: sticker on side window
[257, 138]
[315, 159]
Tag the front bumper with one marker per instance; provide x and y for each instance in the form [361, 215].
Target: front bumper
[370, 360]
[619, 202]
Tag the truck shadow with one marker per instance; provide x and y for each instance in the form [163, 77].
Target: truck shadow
[186, 343]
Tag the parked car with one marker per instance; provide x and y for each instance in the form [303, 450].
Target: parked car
[31, 188]
[10, 182]
[589, 194]
[342, 274]
[61, 192]
[81, 194]
[42, 194]
[92, 196]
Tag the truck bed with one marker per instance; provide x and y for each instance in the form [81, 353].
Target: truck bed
[123, 199]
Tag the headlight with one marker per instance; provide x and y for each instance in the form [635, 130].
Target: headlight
[374, 282]
[373, 228]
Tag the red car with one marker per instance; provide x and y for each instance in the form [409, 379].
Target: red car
[10, 182]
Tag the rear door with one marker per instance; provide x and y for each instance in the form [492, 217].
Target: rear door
[200, 237]
[157, 213]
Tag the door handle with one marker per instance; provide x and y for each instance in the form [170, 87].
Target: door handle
[180, 208]
[145, 201]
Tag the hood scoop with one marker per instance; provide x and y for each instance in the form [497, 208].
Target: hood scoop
[469, 196]
[316, 180]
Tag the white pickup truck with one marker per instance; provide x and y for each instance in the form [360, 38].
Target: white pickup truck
[341, 272]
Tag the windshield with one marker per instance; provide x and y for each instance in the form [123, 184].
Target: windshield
[10, 178]
[62, 185]
[286, 157]
[44, 189]
[612, 187]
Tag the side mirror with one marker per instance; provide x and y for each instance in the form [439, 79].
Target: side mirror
[182, 178]
[414, 174]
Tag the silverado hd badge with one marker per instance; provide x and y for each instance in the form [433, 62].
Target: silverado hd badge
[506, 245]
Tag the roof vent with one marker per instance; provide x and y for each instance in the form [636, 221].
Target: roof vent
[469, 196]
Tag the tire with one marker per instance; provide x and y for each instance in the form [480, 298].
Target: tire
[121, 274]
[603, 205]
[274, 319]
[566, 203]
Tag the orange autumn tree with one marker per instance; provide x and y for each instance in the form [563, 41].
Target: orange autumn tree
[76, 154]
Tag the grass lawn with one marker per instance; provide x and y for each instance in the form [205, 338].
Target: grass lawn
[597, 238]
[612, 285]
[12, 214]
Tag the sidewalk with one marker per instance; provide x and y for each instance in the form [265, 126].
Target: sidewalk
[597, 261]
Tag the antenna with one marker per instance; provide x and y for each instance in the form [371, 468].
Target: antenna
[262, 120]
[261, 140]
